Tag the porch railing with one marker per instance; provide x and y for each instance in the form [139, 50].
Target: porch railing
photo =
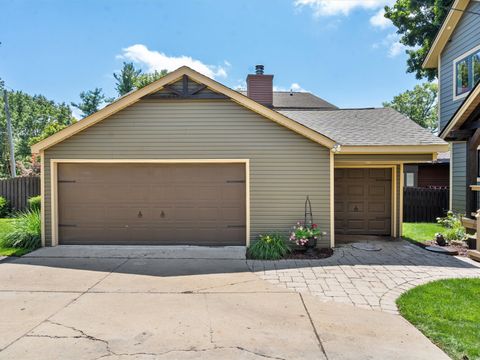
[474, 225]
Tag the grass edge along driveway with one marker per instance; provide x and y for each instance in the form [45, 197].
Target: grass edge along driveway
[448, 313]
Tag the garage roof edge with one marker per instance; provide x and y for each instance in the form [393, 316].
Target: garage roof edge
[131, 98]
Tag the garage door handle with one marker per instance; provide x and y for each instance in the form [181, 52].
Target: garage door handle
[235, 181]
[67, 181]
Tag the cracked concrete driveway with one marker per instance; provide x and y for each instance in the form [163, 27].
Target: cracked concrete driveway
[152, 308]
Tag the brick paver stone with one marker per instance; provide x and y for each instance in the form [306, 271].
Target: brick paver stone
[366, 279]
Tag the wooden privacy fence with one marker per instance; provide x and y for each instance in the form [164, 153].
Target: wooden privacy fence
[423, 204]
[18, 190]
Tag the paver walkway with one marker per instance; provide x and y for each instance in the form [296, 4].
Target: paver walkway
[367, 279]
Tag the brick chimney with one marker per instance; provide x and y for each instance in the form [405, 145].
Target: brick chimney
[260, 87]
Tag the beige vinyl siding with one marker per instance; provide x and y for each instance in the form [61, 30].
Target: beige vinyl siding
[285, 167]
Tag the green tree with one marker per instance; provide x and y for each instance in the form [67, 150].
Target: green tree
[91, 101]
[419, 104]
[30, 116]
[126, 79]
[49, 130]
[145, 79]
[418, 22]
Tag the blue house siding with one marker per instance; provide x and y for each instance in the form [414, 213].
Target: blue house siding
[459, 176]
[465, 37]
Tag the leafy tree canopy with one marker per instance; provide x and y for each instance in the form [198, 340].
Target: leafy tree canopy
[145, 79]
[418, 22]
[126, 79]
[131, 78]
[419, 104]
[30, 116]
[91, 101]
[49, 130]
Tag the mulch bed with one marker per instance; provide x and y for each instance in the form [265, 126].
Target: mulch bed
[315, 254]
[459, 246]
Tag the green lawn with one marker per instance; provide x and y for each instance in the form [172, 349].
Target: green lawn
[5, 226]
[448, 312]
[421, 232]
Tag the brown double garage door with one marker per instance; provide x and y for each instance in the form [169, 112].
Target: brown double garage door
[363, 201]
[151, 204]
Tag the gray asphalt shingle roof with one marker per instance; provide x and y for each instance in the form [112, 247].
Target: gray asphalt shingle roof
[364, 127]
[297, 100]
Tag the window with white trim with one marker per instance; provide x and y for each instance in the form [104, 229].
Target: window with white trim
[467, 73]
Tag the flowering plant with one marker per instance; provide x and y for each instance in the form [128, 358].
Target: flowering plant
[302, 234]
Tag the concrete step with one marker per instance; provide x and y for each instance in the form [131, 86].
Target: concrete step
[150, 252]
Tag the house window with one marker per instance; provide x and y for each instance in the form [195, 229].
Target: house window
[410, 179]
[467, 73]
[476, 67]
[462, 77]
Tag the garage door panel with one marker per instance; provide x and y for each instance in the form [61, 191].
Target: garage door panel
[353, 224]
[209, 214]
[354, 173]
[363, 201]
[379, 173]
[355, 190]
[377, 190]
[356, 207]
[378, 225]
[339, 206]
[231, 214]
[191, 204]
[377, 207]
[79, 214]
[78, 193]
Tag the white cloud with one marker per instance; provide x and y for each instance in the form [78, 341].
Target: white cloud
[392, 43]
[155, 60]
[341, 7]
[379, 20]
[297, 87]
[395, 49]
[293, 87]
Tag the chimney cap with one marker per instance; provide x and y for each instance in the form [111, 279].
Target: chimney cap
[259, 69]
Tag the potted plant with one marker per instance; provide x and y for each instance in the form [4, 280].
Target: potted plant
[305, 236]
[440, 239]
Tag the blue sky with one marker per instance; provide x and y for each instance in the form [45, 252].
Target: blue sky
[341, 50]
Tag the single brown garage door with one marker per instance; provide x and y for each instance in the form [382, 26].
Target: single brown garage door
[151, 204]
[363, 201]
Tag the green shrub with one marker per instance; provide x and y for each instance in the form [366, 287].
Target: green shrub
[26, 231]
[454, 229]
[4, 207]
[35, 202]
[269, 247]
[456, 233]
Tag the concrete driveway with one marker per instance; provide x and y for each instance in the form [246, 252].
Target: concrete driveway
[115, 307]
